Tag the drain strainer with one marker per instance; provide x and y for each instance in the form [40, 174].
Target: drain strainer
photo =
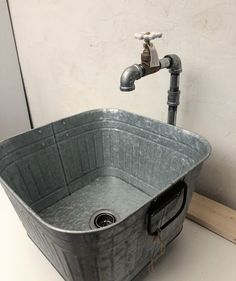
[103, 218]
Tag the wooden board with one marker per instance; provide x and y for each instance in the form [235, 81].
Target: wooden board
[214, 216]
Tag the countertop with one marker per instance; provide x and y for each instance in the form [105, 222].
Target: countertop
[196, 255]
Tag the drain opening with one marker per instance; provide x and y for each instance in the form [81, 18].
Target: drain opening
[102, 218]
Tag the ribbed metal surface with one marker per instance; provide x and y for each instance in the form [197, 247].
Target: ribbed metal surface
[59, 175]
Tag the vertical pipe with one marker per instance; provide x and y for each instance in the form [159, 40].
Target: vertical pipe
[173, 94]
[172, 112]
[173, 98]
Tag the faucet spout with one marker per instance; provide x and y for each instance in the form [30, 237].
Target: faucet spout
[129, 76]
[150, 64]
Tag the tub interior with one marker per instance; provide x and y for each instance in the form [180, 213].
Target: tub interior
[103, 194]
[98, 160]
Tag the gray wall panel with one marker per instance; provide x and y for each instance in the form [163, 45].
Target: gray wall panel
[14, 117]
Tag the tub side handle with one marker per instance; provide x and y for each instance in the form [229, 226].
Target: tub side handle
[159, 204]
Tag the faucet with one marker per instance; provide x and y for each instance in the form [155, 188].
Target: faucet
[150, 64]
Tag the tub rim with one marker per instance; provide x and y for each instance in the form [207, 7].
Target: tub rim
[107, 110]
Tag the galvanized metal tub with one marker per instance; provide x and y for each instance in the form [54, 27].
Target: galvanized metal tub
[92, 190]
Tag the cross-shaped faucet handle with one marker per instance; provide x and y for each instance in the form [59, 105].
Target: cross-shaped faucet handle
[147, 36]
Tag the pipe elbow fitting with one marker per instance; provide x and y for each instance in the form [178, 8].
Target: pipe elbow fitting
[128, 77]
[175, 64]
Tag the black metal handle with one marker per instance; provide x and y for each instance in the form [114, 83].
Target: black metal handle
[172, 193]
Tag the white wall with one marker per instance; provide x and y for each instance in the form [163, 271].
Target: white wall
[73, 53]
[14, 117]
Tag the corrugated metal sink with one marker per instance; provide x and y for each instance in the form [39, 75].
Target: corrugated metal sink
[103, 192]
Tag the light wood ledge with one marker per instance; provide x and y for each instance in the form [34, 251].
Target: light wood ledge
[214, 216]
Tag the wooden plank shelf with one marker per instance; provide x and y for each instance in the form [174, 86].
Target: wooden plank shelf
[213, 216]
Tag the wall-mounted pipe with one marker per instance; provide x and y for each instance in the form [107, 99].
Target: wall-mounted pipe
[136, 71]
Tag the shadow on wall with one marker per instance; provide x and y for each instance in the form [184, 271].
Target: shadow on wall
[212, 181]
[196, 115]
[190, 110]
